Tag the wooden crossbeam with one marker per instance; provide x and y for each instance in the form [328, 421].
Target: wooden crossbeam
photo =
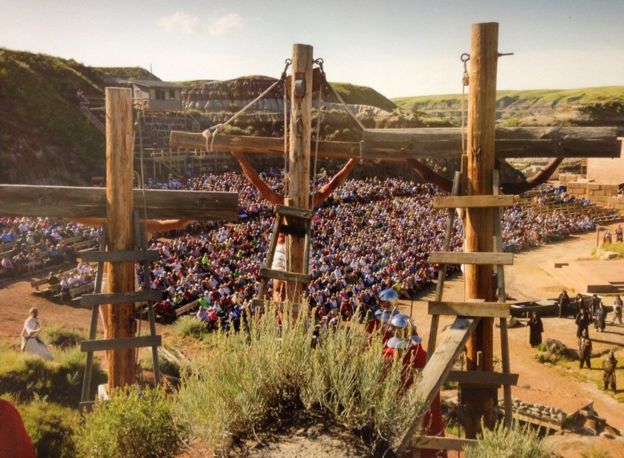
[82, 202]
[120, 256]
[121, 343]
[473, 309]
[437, 369]
[476, 258]
[284, 275]
[483, 378]
[152, 295]
[418, 143]
[474, 201]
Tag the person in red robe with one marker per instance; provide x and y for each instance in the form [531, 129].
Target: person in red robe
[14, 440]
[406, 345]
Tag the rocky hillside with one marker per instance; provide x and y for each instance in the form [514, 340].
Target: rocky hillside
[584, 106]
[44, 138]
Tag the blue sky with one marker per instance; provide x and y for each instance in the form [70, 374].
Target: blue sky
[398, 47]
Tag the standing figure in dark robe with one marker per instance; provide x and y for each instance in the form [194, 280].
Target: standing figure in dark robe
[601, 317]
[609, 366]
[585, 349]
[582, 322]
[536, 328]
[564, 304]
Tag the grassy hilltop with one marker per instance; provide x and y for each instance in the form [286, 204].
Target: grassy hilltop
[583, 106]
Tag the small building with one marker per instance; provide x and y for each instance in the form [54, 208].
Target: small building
[157, 95]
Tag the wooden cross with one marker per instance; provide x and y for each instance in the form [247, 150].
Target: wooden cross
[115, 205]
[485, 143]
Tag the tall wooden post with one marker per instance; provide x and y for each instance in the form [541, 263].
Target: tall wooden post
[479, 282]
[299, 153]
[119, 320]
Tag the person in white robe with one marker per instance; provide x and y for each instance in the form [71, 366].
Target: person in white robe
[31, 343]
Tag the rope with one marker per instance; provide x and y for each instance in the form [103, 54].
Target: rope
[286, 130]
[319, 116]
[320, 62]
[465, 57]
[215, 129]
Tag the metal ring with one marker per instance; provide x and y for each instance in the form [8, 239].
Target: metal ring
[465, 57]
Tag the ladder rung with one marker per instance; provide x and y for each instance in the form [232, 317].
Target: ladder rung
[119, 344]
[483, 201]
[295, 212]
[284, 275]
[152, 295]
[483, 378]
[120, 256]
[480, 258]
[473, 309]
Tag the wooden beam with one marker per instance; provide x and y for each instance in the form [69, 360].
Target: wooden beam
[82, 202]
[120, 344]
[479, 402]
[284, 275]
[483, 378]
[299, 159]
[119, 320]
[437, 369]
[474, 259]
[474, 201]
[418, 143]
[152, 295]
[473, 309]
[509, 142]
[258, 145]
[442, 443]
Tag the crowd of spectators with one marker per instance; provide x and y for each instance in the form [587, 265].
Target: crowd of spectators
[369, 235]
[30, 244]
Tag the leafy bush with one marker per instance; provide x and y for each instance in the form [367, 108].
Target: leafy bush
[250, 379]
[516, 442]
[27, 376]
[189, 326]
[51, 428]
[61, 337]
[132, 424]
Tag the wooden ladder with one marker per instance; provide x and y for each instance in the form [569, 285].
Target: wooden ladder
[292, 221]
[468, 313]
[143, 256]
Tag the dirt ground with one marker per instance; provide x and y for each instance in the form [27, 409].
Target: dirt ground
[528, 278]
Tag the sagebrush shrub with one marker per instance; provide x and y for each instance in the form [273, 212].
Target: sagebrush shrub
[134, 423]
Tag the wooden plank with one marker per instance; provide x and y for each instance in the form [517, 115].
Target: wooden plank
[437, 369]
[152, 295]
[476, 258]
[483, 378]
[120, 256]
[474, 309]
[474, 201]
[284, 275]
[187, 307]
[82, 202]
[442, 443]
[293, 212]
[417, 143]
[120, 343]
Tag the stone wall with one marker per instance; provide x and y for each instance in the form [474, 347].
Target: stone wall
[598, 193]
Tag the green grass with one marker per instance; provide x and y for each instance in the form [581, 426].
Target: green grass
[352, 93]
[615, 247]
[517, 442]
[27, 377]
[551, 96]
[190, 326]
[61, 337]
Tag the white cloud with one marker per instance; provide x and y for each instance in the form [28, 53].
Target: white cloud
[179, 21]
[225, 23]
